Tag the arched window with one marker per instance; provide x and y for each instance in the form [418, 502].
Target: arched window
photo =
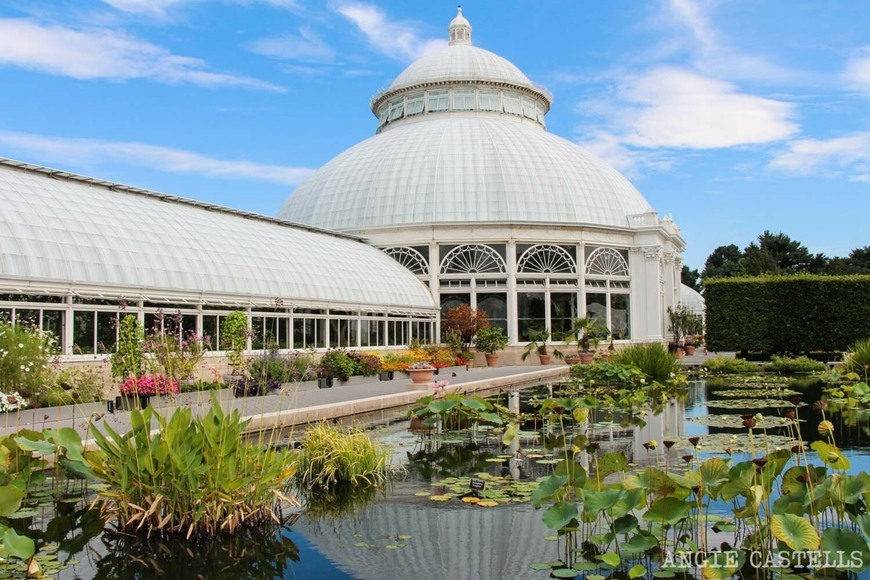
[410, 259]
[606, 262]
[545, 259]
[472, 259]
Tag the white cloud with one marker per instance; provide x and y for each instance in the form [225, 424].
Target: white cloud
[306, 47]
[153, 7]
[96, 151]
[848, 156]
[711, 52]
[395, 39]
[857, 72]
[674, 108]
[105, 54]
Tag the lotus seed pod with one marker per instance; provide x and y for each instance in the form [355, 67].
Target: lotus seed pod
[826, 428]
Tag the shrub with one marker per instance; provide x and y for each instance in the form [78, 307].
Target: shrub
[149, 385]
[490, 340]
[396, 361]
[787, 314]
[332, 456]
[269, 366]
[72, 386]
[336, 364]
[365, 364]
[653, 359]
[801, 364]
[197, 386]
[723, 364]
[128, 358]
[465, 322]
[25, 353]
[439, 356]
[234, 333]
[858, 358]
[192, 476]
[174, 353]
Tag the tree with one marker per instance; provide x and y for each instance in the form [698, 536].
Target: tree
[789, 255]
[757, 261]
[464, 321]
[859, 258]
[691, 278]
[723, 262]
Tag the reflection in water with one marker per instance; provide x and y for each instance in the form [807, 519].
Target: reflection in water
[256, 552]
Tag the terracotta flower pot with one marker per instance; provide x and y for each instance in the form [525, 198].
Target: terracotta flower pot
[492, 360]
[545, 358]
[586, 357]
[421, 376]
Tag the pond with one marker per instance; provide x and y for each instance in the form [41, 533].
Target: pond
[418, 525]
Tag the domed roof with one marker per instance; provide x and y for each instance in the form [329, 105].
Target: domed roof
[462, 139]
[692, 300]
[473, 168]
[460, 62]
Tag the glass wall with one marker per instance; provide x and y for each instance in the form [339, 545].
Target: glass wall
[531, 313]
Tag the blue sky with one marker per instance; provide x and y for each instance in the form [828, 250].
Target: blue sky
[733, 116]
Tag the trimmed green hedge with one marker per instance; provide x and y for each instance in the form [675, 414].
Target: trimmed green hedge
[779, 314]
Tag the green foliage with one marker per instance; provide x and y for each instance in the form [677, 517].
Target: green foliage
[234, 333]
[456, 411]
[336, 364]
[787, 314]
[128, 357]
[271, 366]
[25, 353]
[332, 456]
[858, 359]
[729, 365]
[195, 475]
[789, 365]
[683, 323]
[538, 344]
[365, 364]
[653, 359]
[608, 374]
[173, 353]
[490, 340]
[72, 386]
[586, 331]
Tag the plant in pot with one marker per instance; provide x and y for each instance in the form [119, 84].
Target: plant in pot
[585, 331]
[335, 364]
[421, 372]
[490, 341]
[538, 344]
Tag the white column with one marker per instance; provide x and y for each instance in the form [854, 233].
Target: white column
[511, 263]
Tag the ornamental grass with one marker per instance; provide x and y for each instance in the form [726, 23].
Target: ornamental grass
[653, 359]
[333, 455]
[192, 476]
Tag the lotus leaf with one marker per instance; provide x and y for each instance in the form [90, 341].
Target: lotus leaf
[736, 422]
[798, 533]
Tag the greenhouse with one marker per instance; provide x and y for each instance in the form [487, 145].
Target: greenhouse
[76, 252]
[464, 186]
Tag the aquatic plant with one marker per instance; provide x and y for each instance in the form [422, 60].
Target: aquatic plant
[793, 365]
[193, 475]
[334, 455]
[857, 360]
[457, 411]
[726, 365]
[653, 359]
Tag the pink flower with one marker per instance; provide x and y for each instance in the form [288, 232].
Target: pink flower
[149, 385]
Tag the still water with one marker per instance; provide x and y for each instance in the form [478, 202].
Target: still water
[398, 531]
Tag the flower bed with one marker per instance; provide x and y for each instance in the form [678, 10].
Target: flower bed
[149, 385]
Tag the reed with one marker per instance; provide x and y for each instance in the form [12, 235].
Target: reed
[652, 359]
[333, 455]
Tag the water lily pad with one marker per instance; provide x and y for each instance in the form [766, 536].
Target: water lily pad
[422, 494]
[736, 421]
[361, 545]
[487, 503]
[404, 537]
[752, 404]
[470, 499]
[548, 461]
[440, 497]
[759, 393]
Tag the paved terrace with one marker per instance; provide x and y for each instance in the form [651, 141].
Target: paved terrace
[295, 404]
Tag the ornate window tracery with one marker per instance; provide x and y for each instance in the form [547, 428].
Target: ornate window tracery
[472, 259]
[546, 259]
[409, 258]
[606, 262]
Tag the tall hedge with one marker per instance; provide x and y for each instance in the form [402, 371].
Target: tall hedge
[778, 314]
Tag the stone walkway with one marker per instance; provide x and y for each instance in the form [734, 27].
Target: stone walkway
[296, 404]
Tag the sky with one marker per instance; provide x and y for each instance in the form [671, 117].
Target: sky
[734, 117]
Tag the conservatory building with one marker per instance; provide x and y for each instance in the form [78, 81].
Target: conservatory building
[463, 185]
[77, 253]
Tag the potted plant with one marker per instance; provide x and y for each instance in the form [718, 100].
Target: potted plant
[489, 341]
[584, 331]
[421, 372]
[538, 344]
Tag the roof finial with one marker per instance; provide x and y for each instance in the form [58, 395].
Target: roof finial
[460, 29]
